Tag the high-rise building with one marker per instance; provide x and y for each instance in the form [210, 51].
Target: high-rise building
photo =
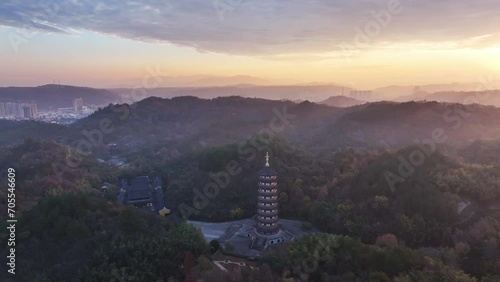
[2, 109]
[12, 109]
[34, 109]
[29, 111]
[23, 110]
[78, 105]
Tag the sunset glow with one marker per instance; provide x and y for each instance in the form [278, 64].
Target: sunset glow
[359, 44]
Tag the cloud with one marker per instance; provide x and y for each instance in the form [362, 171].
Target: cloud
[264, 28]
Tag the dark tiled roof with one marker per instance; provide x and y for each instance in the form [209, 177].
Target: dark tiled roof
[158, 201]
[141, 190]
[134, 195]
[267, 171]
[139, 183]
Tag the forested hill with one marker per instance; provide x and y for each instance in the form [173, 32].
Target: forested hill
[342, 102]
[402, 227]
[187, 123]
[198, 123]
[391, 124]
[190, 122]
[487, 97]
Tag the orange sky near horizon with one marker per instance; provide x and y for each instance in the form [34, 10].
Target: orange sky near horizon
[121, 57]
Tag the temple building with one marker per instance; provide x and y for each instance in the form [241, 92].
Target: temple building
[143, 194]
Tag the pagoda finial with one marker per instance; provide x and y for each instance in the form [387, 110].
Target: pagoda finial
[267, 159]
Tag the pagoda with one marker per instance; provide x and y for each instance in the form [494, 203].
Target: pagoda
[267, 201]
[267, 230]
[252, 237]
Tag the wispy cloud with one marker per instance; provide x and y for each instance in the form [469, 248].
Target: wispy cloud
[265, 28]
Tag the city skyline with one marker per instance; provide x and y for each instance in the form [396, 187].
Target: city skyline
[362, 44]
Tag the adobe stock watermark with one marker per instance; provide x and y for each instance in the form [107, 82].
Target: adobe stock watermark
[372, 28]
[454, 117]
[47, 10]
[247, 151]
[153, 78]
[95, 137]
[224, 6]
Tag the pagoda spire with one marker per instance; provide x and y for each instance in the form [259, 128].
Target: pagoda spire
[267, 159]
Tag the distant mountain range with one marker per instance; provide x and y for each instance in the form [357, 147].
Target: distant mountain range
[313, 93]
[342, 102]
[471, 97]
[54, 96]
[398, 92]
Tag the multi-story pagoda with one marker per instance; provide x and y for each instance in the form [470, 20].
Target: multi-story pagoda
[267, 201]
[252, 237]
[267, 230]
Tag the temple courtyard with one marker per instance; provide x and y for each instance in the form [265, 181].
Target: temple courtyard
[235, 238]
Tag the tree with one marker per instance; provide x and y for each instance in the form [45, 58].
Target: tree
[236, 213]
[205, 263]
[387, 240]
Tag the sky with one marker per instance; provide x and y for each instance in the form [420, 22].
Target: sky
[365, 43]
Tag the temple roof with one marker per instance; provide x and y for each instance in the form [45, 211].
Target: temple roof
[268, 171]
[140, 183]
[139, 189]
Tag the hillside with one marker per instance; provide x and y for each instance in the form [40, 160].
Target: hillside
[482, 97]
[387, 124]
[411, 219]
[47, 167]
[476, 97]
[80, 237]
[15, 132]
[57, 96]
[188, 123]
[342, 102]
